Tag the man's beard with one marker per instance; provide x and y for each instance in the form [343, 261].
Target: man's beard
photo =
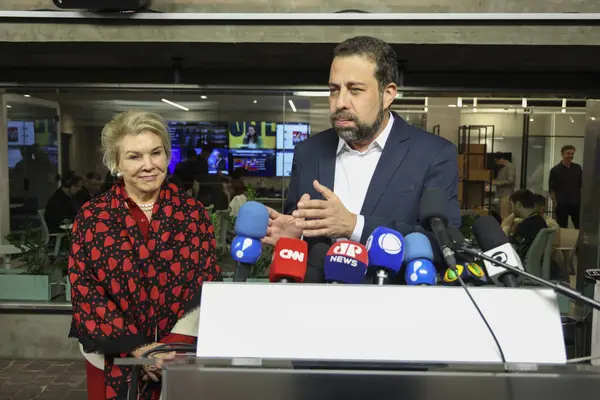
[361, 131]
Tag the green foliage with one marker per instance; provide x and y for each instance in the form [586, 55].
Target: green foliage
[33, 250]
[466, 226]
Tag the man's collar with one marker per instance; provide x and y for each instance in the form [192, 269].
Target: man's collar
[379, 141]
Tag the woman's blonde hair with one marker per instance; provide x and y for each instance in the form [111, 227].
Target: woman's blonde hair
[131, 122]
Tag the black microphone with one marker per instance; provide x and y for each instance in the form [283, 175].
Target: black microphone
[315, 269]
[494, 243]
[433, 217]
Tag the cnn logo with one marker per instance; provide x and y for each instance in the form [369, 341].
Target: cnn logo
[347, 249]
[288, 254]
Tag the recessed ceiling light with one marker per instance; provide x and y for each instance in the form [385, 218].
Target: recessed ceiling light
[27, 95]
[593, 118]
[291, 102]
[255, 101]
[7, 106]
[203, 97]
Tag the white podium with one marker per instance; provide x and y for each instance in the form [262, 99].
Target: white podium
[378, 323]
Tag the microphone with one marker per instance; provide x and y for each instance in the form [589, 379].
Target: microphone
[419, 256]
[494, 243]
[472, 273]
[433, 218]
[315, 272]
[250, 226]
[385, 248]
[346, 262]
[289, 261]
[450, 277]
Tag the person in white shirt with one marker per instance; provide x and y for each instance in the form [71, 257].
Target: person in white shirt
[236, 190]
[371, 169]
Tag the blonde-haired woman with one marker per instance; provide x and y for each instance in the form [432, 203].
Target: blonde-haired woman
[140, 254]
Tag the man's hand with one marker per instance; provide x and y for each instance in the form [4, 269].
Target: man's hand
[326, 217]
[281, 225]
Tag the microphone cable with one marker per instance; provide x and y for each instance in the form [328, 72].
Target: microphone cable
[136, 371]
[464, 286]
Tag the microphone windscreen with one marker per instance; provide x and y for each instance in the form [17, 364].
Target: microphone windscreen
[420, 272]
[315, 270]
[488, 233]
[385, 249]
[346, 262]
[289, 260]
[417, 245]
[252, 220]
[433, 205]
[245, 249]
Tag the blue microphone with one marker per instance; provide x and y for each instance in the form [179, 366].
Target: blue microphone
[419, 256]
[385, 248]
[250, 226]
[420, 272]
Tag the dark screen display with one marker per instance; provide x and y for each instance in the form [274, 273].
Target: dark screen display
[254, 162]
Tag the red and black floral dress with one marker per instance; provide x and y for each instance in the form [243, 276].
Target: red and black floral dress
[132, 280]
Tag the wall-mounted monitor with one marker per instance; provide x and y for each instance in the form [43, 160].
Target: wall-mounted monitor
[289, 134]
[284, 163]
[218, 161]
[252, 135]
[194, 134]
[254, 162]
[20, 133]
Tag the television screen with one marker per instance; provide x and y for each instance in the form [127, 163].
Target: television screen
[289, 134]
[186, 134]
[284, 163]
[217, 161]
[175, 159]
[21, 133]
[254, 162]
[252, 135]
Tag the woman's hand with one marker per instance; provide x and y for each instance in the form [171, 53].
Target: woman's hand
[153, 371]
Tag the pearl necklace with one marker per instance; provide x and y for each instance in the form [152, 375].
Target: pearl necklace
[146, 207]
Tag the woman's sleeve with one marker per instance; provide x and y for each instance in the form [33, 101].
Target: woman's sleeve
[98, 320]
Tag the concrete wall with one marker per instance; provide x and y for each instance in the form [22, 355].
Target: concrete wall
[37, 336]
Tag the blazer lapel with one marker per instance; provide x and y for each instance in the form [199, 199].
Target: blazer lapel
[327, 161]
[391, 158]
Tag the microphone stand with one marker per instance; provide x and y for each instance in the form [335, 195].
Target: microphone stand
[558, 288]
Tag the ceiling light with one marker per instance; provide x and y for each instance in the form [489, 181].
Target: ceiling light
[171, 103]
[203, 97]
[524, 102]
[593, 118]
[531, 119]
[426, 109]
[564, 106]
[7, 106]
[459, 102]
[312, 94]
[451, 105]
[255, 101]
[474, 104]
[292, 105]
[27, 95]
[571, 119]
[474, 110]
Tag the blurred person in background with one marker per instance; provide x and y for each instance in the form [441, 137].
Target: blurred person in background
[91, 187]
[527, 219]
[565, 183]
[236, 190]
[210, 190]
[505, 183]
[139, 255]
[63, 204]
[540, 204]
[193, 166]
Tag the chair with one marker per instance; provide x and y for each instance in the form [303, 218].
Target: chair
[539, 256]
[46, 235]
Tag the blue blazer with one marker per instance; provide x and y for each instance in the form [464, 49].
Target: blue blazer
[411, 161]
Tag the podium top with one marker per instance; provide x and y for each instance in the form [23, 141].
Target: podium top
[378, 323]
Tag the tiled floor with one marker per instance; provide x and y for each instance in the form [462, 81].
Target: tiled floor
[37, 379]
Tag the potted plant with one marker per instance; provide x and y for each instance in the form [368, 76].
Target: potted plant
[37, 278]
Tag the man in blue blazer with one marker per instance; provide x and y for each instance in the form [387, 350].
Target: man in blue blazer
[372, 167]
